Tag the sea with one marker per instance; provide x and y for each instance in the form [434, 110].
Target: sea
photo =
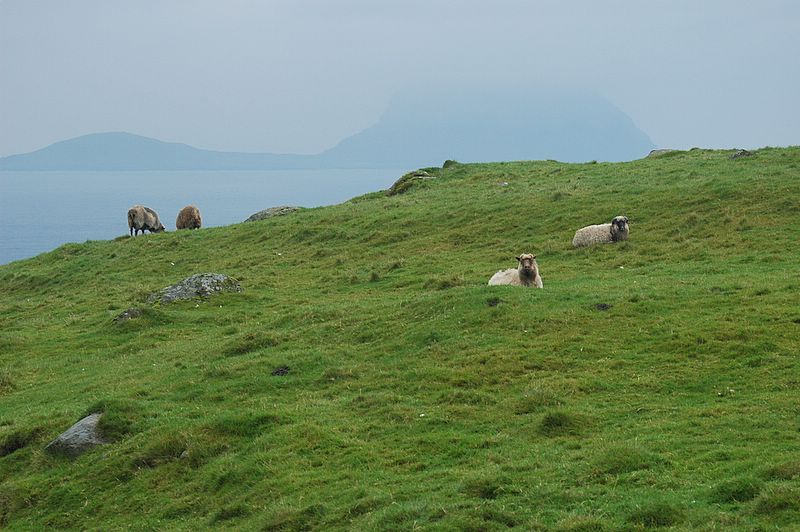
[40, 211]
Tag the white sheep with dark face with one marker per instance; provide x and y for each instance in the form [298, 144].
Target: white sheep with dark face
[615, 231]
[526, 274]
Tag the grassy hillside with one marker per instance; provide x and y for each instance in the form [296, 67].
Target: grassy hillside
[418, 397]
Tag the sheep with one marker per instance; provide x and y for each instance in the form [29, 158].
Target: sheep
[602, 233]
[526, 274]
[141, 218]
[188, 218]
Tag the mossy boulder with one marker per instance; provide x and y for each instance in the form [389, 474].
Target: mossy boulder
[658, 153]
[283, 210]
[197, 285]
[407, 181]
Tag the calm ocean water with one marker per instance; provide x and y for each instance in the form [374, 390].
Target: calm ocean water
[39, 211]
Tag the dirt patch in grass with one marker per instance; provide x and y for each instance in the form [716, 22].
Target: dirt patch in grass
[18, 439]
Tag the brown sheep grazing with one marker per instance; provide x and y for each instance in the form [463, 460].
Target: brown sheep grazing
[141, 218]
[526, 274]
[188, 218]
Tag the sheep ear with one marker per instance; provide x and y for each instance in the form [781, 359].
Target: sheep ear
[517, 258]
[534, 256]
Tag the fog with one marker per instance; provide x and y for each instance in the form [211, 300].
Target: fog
[297, 76]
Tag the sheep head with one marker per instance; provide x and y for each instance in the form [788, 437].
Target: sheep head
[527, 263]
[619, 228]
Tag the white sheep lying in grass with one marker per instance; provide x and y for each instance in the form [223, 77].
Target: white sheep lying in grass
[602, 233]
[526, 274]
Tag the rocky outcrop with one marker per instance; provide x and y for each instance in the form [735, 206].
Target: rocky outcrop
[79, 438]
[657, 153]
[741, 153]
[283, 210]
[198, 285]
[408, 181]
[130, 314]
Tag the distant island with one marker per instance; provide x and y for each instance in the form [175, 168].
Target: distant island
[418, 129]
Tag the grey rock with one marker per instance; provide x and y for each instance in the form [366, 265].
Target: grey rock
[741, 153]
[656, 153]
[283, 210]
[130, 314]
[197, 285]
[79, 438]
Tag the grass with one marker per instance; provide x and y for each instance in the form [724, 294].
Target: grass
[652, 383]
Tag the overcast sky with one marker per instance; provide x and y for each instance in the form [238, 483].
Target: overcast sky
[297, 76]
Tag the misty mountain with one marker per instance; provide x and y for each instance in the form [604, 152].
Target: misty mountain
[125, 151]
[421, 128]
[495, 125]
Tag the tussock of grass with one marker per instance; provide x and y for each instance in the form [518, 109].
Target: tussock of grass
[445, 282]
[581, 524]
[161, 451]
[561, 423]
[536, 400]
[249, 342]
[338, 374]
[489, 487]
[301, 519]
[656, 514]
[497, 516]
[120, 418]
[231, 512]
[784, 471]
[778, 499]
[737, 490]
[243, 425]
[6, 382]
[625, 459]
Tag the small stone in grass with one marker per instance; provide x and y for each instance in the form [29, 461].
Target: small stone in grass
[281, 371]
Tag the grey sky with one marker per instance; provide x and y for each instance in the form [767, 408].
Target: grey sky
[299, 75]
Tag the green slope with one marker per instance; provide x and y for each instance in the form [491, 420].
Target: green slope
[418, 397]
